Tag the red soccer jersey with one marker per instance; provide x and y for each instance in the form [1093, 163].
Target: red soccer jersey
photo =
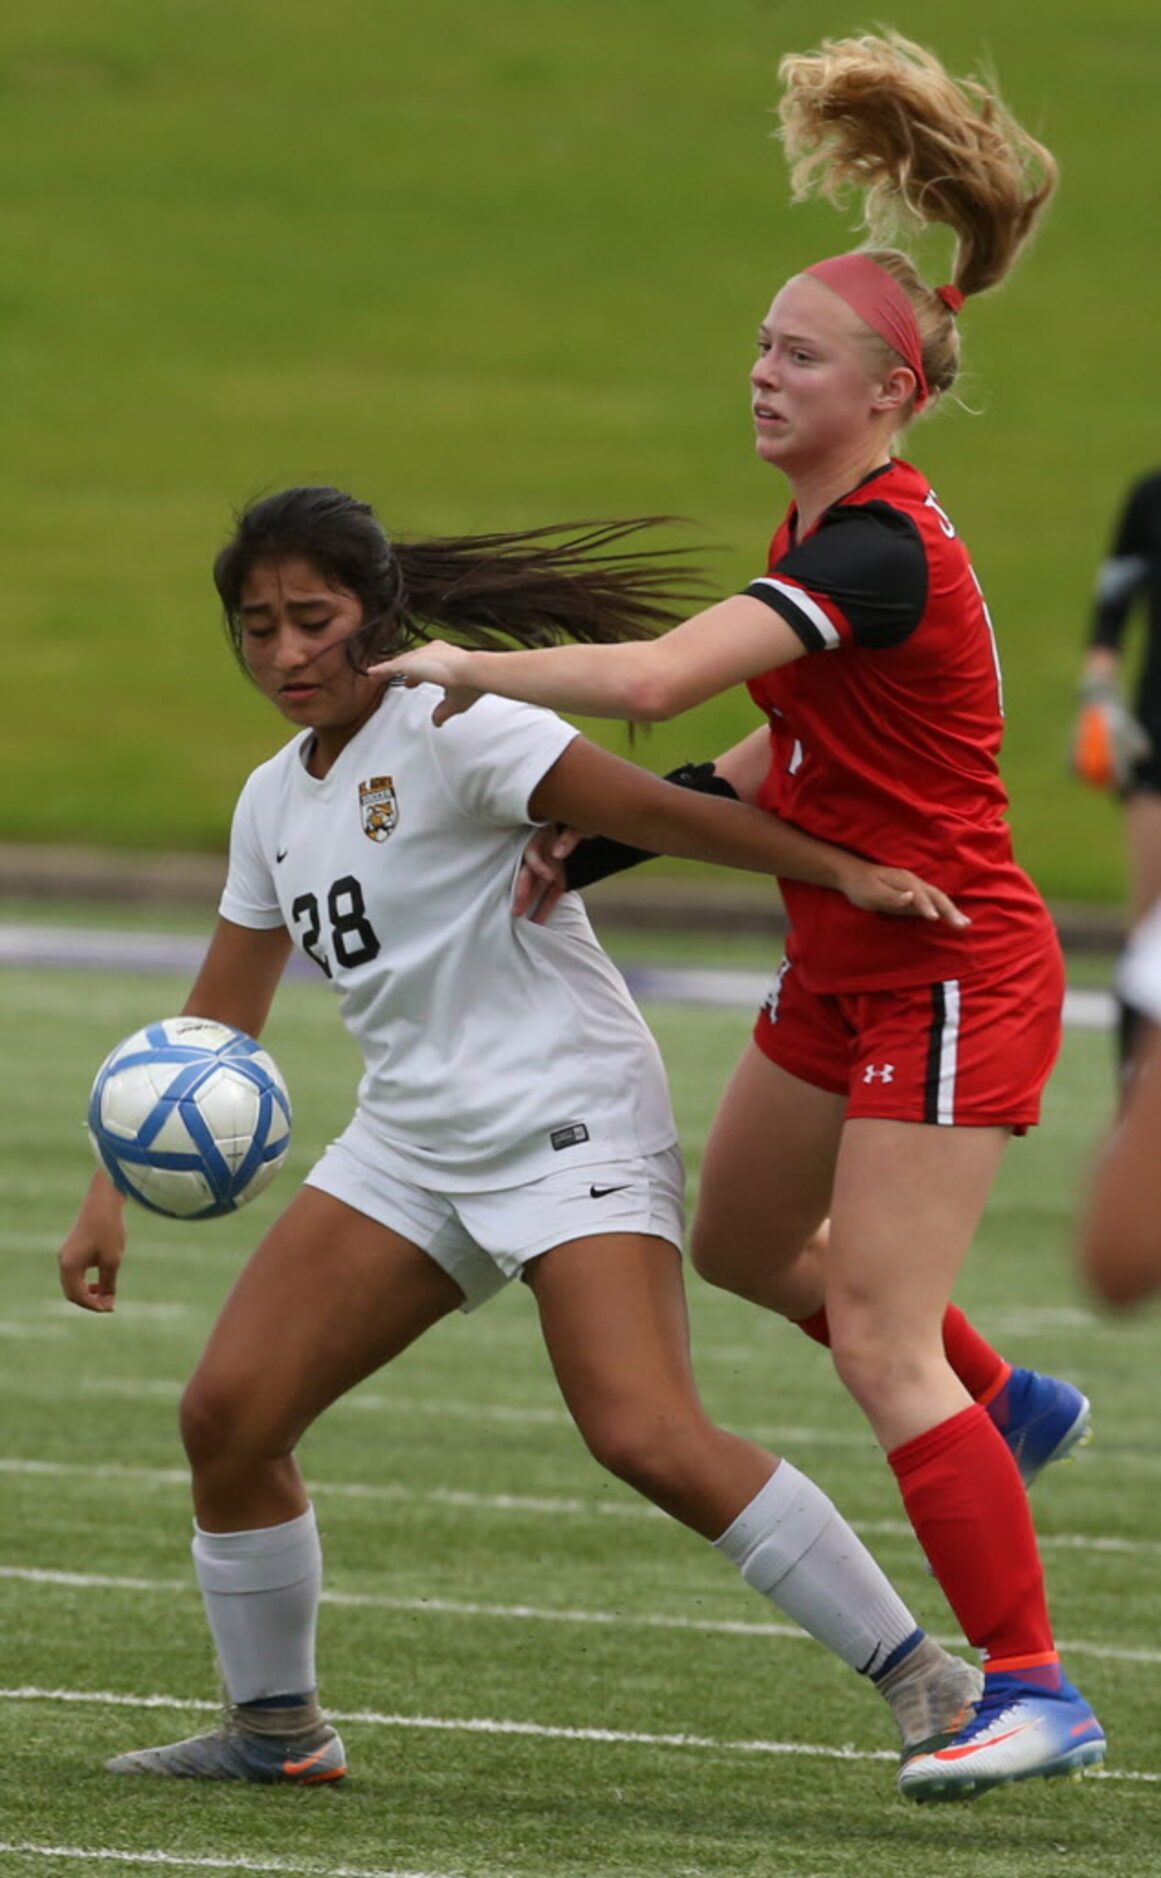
[886, 737]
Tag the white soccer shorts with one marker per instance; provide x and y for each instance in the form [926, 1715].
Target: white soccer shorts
[483, 1240]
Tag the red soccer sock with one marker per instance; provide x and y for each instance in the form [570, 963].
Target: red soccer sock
[981, 1369]
[964, 1497]
[816, 1327]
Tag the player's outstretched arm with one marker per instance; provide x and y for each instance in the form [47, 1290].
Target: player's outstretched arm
[558, 860]
[235, 985]
[643, 681]
[590, 789]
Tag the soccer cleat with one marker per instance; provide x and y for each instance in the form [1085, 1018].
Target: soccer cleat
[930, 1693]
[1018, 1732]
[1041, 1419]
[233, 1753]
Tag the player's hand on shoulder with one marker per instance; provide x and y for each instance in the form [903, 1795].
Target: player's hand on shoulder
[895, 890]
[95, 1243]
[436, 663]
[1107, 740]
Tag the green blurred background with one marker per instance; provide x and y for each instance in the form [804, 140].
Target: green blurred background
[490, 267]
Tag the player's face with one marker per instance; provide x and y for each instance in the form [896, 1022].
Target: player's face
[811, 390]
[294, 633]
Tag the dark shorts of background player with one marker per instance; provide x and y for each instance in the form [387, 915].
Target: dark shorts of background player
[970, 1052]
[1146, 777]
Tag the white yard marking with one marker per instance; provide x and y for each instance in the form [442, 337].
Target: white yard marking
[427, 1409]
[395, 1493]
[201, 1861]
[493, 1725]
[389, 1491]
[1033, 1320]
[135, 1310]
[517, 1613]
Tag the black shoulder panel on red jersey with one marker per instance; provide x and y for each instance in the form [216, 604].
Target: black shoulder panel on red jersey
[871, 562]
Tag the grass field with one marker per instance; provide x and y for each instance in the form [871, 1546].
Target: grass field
[538, 1678]
[495, 267]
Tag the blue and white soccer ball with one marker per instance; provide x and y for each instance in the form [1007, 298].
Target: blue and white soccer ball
[190, 1117]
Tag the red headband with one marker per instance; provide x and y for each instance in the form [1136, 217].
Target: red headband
[878, 299]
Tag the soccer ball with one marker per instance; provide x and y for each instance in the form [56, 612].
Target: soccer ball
[190, 1117]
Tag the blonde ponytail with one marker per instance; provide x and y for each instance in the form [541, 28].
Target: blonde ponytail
[878, 115]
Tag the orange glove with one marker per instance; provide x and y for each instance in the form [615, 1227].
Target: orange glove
[1107, 740]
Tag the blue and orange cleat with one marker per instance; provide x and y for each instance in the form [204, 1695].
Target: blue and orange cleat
[1041, 1418]
[1020, 1731]
[233, 1753]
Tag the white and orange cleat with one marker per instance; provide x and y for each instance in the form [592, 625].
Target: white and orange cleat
[1020, 1731]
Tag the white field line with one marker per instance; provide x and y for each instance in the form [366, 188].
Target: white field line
[468, 1724]
[145, 1247]
[388, 1491]
[783, 1437]
[395, 1493]
[427, 1409]
[205, 1861]
[492, 1725]
[511, 1414]
[30, 1241]
[517, 1613]
[135, 1309]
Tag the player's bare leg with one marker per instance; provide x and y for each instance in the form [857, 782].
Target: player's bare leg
[328, 1298]
[614, 1317]
[1143, 840]
[907, 1201]
[767, 1184]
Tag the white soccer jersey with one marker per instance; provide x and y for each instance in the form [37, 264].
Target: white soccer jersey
[495, 1051]
[1140, 973]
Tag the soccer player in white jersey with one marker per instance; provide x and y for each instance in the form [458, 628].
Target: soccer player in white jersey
[512, 1119]
[1121, 1235]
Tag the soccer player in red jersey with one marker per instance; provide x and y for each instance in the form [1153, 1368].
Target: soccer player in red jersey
[891, 1063]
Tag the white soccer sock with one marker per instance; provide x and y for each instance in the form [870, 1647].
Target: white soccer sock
[261, 1592]
[794, 1546]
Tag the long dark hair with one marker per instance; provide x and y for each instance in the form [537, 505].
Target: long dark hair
[573, 580]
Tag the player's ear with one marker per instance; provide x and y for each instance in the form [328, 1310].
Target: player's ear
[894, 391]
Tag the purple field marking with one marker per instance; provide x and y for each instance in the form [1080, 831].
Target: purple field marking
[97, 949]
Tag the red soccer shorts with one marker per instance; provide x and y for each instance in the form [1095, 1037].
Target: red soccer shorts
[974, 1051]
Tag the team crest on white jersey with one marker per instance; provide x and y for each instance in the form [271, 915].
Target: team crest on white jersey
[378, 807]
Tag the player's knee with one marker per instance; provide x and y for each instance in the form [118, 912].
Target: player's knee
[215, 1420]
[705, 1256]
[873, 1362]
[766, 1279]
[765, 1257]
[715, 1259]
[647, 1453]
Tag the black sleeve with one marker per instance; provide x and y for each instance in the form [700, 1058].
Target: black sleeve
[870, 562]
[598, 856]
[1124, 573]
